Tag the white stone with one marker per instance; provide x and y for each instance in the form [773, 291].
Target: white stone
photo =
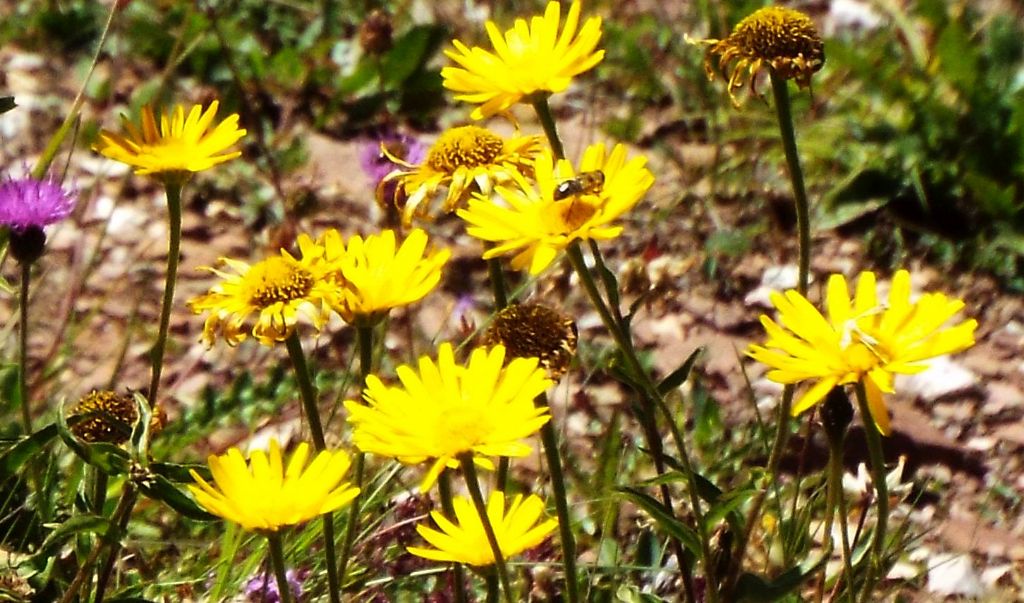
[953, 575]
[775, 278]
[942, 378]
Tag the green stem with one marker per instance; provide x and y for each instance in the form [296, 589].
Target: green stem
[875, 455]
[309, 404]
[796, 176]
[550, 440]
[276, 553]
[648, 422]
[97, 489]
[834, 493]
[26, 413]
[540, 105]
[444, 489]
[119, 522]
[173, 187]
[473, 485]
[491, 586]
[364, 335]
[497, 278]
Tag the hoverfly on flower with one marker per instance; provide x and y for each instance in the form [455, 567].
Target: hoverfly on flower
[587, 183]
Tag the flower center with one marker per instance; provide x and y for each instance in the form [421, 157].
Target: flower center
[467, 146]
[776, 32]
[576, 210]
[277, 280]
[462, 427]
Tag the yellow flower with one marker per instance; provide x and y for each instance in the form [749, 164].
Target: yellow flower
[464, 159]
[377, 274]
[178, 145]
[782, 38]
[466, 542]
[265, 495]
[862, 339]
[446, 409]
[281, 290]
[539, 222]
[530, 57]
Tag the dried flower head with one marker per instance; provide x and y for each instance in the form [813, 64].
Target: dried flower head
[375, 32]
[104, 416]
[535, 331]
[784, 39]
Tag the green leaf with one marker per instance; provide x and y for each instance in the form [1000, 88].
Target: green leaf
[180, 473]
[410, 53]
[681, 374]
[161, 489]
[77, 524]
[752, 587]
[7, 103]
[14, 457]
[140, 431]
[663, 519]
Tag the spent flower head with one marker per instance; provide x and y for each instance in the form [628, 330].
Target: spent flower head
[783, 39]
[862, 340]
[263, 494]
[445, 409]
[535, 331]
[465, 541]
[463, 159]
[173, 145]
[538, 221]
[540, 56]
[376, 274]
[104, 416]
[281, 291]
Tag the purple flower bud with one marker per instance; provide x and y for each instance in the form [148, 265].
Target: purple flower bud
[262, 587]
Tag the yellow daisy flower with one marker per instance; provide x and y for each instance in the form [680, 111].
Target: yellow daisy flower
[565, 206]
[179, 145]
[281, 290]
[862, 339]
[529, 58]
[447, 409]
[463, 159]
[784, 39]
[466, 541]
[264, 495]
[377, 274]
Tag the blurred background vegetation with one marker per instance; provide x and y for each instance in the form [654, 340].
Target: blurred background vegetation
[913, 133]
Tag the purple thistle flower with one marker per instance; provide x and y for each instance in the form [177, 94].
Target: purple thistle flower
[377, 165]
[262, 587]
[28, 202]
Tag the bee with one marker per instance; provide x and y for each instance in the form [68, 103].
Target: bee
[587, 183]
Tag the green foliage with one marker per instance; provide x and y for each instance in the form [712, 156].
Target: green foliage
[932, 130]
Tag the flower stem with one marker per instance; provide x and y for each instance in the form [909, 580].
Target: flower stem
[877, 459]
[276, 553]
[834, 494]
[473, 485]
[26, 412]
[444, 489]
[650, 399]
[309, 403]
[540, 105]
[796, 176]
[173, 187]
[364, 334]
[550, 440]
[497, 278]
[118, 523]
